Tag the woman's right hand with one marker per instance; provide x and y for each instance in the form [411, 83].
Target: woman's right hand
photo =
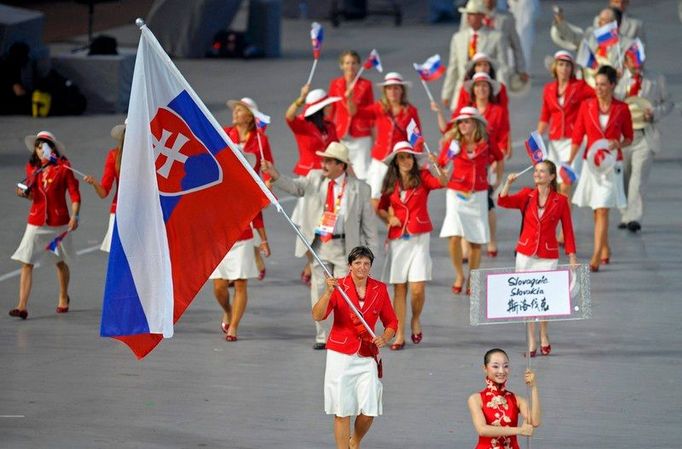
[90, 180]
[331, 282]
[304, 92]
[393, 221]
[526, 430]
[511, 178]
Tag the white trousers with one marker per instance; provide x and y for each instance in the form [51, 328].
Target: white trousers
[637, 159]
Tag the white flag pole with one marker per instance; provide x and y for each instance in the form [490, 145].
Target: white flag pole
[525, 170]
[312, 71]
[428, 91]
[357, 77]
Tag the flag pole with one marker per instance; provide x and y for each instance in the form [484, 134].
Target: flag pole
[428, 91]
[260, 145]
[312, 71]
[357, 77]
[525, 170]
[74, 170]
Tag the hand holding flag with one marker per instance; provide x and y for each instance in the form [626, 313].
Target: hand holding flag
[53, 246]
[414, 136]
[372, 60]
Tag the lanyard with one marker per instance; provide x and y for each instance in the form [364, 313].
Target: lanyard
[337, 201]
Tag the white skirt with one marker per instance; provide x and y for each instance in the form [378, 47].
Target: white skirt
[375, 177]
[560, 152]
[106, 243]
[36, 238]
[238, 263]
[600, 190]
[358, 151]
[352, 386]
[467, 218]
[532, 263]
[409, 260]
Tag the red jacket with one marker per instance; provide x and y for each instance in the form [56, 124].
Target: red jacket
[538, 235]
[309, 140]
[49, 189]
[362, 96]
[464, 99]
[343, 336]
[470, 173]
[413, 212]
[109, 175]
[587, 124]
[561, 118]
[389, 130]
[251, 146]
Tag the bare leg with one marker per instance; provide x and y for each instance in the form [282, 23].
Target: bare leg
[342, 432]
[455, 247]
[399, 305]
[601, 222]
[544, 335]
[63, 276]
[465, 250]
[492, 220]
[532, 343]
[25, 283]
[222, 296]
[362, 425]
[238, 305]
[417, 298]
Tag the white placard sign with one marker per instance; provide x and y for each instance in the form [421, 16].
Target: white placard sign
[528, 294]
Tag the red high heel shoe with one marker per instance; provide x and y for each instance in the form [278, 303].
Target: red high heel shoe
[456, 289]
[231, 338]
[261, 274]
[224, 326]
[594, 268]
[545, 350]
[23, 314]
[606, 260]
[417, 338]
[532, 353]
[398, 346]
[492, 253]
[64, 309]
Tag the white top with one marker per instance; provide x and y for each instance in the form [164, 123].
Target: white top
[603, 120]
[561, 100]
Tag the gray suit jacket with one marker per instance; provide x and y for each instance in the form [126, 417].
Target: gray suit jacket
[505, 23]
[653, 89]
[489, 42]
[358, 221]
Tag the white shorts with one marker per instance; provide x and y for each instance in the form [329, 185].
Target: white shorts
[532, 263]
[409, 260]
[351, 386]
[36, 238]
[599, 191]
[466, 218]
[358, 151]
[106, 243]
[238, 263]
[375, 177]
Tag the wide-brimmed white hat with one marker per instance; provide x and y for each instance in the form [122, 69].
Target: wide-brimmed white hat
[30, 141]
[404, 147]
[335, 150]
[601, 158]
[478, 57]
[478, 77]
[393, 78]
[118, 131]
[249, 104]
[469, 112]
[317, 99]
[638, 106]
[473, 7]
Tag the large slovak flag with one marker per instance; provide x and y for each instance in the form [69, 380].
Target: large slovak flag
[431, 70]
[185, 195]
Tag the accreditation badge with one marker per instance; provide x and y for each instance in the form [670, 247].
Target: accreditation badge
[327, 223]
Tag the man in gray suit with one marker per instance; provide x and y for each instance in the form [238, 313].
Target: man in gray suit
[476, 38]
[505, 23]
[647, 96]
[629, 26]
[337, 216]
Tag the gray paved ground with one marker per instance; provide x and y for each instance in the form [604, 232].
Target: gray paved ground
[611, 382]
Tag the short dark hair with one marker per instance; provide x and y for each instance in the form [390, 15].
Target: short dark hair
[358, 252]
[489, 354]
[609, 72]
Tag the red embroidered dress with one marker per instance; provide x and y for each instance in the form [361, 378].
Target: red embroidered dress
[500, 409]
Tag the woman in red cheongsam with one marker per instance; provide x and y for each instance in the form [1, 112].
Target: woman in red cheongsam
[495, 410]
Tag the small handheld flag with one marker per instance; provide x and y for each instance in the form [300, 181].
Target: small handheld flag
[636, 53]
[413, 133]
[373, 60]
[607, 35]
[567, 174]
[586, 58]
[431, 70]
[453, 149]
[262, 120]
[316, 36]
[536, 148]
[53, 246]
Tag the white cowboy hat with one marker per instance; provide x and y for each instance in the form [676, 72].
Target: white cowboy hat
[404, 147]
[335, 150]
[249, 104]
[30, 141]
[481, 76]
[473, 7]
[393, 78]
[601, 158]
[518, 87]
[118, 131]
[638, 105]
[478, 57]
[317, 99]
[470, 112]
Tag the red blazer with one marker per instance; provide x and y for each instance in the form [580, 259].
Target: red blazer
[362, 96]
[309, 140]
[109, 175]
[49, 194]
[251, 146]
[464, 99]
[343, 336]
[538, 235]
[470, 173]
[561, 118]
[413, 213]
[389, 130]
[587, 124]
